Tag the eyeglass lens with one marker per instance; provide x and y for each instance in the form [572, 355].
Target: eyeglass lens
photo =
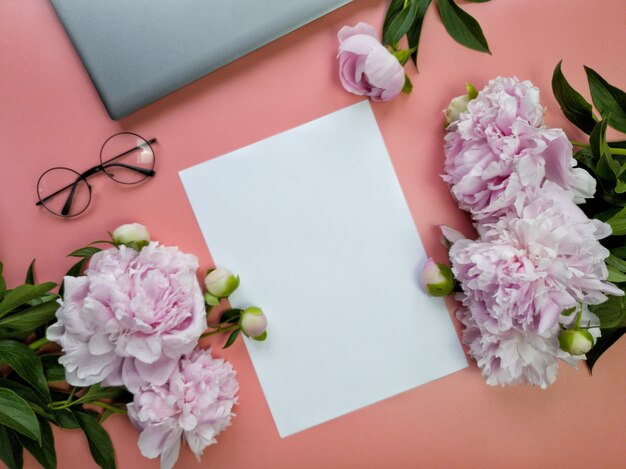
[127, 158]
[56, 178]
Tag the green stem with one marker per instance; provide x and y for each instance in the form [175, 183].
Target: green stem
[57, 405]
[36, 345]
[106, 406]
[219, 330]
[579, 144]
[578, 318]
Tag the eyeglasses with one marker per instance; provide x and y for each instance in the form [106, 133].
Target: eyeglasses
[127, 158]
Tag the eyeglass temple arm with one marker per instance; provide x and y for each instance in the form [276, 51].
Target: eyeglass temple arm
[68, 203]
[145, 171]
[91, 171]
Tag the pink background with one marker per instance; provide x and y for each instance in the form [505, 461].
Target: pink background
[50, 115]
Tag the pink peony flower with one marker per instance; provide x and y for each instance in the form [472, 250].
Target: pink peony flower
[130, 318]
[496, 151]
[512, 357]
[366, 67]
[195, 404]
[531, 265]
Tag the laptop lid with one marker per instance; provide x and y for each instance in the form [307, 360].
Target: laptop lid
[138, 51]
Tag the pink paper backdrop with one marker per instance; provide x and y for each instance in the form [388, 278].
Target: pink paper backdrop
[50, 115]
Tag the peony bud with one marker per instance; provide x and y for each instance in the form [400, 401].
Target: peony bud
[455, 108]
[436, 279]
[132, 235]
[253, 323]
[575, 341]
[459, 104]
[221, 283]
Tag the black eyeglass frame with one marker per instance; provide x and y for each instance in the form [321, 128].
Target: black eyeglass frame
[102, 167]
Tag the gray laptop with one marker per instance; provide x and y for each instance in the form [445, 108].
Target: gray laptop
[137, 51]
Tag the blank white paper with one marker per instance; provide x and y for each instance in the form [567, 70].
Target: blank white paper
[315, 223]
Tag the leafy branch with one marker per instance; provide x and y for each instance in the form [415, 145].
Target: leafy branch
[30, 376]
[606, 162]
[406, 17]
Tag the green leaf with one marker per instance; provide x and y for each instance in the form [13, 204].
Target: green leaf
[10, 448]
[30, 274]
[232, 337]
[77, 269]
[17, 414]
[607, 168]
[25, 392]
[25, 363]
[608, 99]
[618, 223]
[615, 275]
[3, 285]
[231, 316]
[64, 418]
[262, 337]
[463, 28]
[98, 439]
[587, 158]
[400, 25]
[211, 300]
[576, 108]
[23, 294]
[87, 252]
[609, 337]
[53, 370]
[408, 86]
[31, 318]
[415, 31]
[395, 7]
[97, 392]
[611, 313]
[616, 262]
[472, 93]
[402, 55]
[45, 453]
[619, 252]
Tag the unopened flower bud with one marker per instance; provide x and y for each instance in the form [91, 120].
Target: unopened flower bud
[253, 323]
[221, 283]
[132, 235]
[436, 279]
[459, 104]
[575, 341]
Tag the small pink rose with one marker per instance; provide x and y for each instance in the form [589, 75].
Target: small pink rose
[366, 67]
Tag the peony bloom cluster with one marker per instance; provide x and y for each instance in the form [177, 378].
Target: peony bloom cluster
[134, 319]
[195, 405]
[538, 257]
[130, 318]
[497, 150]
[366, 67]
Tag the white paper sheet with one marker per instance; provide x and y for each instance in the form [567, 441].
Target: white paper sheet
[315, 223]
